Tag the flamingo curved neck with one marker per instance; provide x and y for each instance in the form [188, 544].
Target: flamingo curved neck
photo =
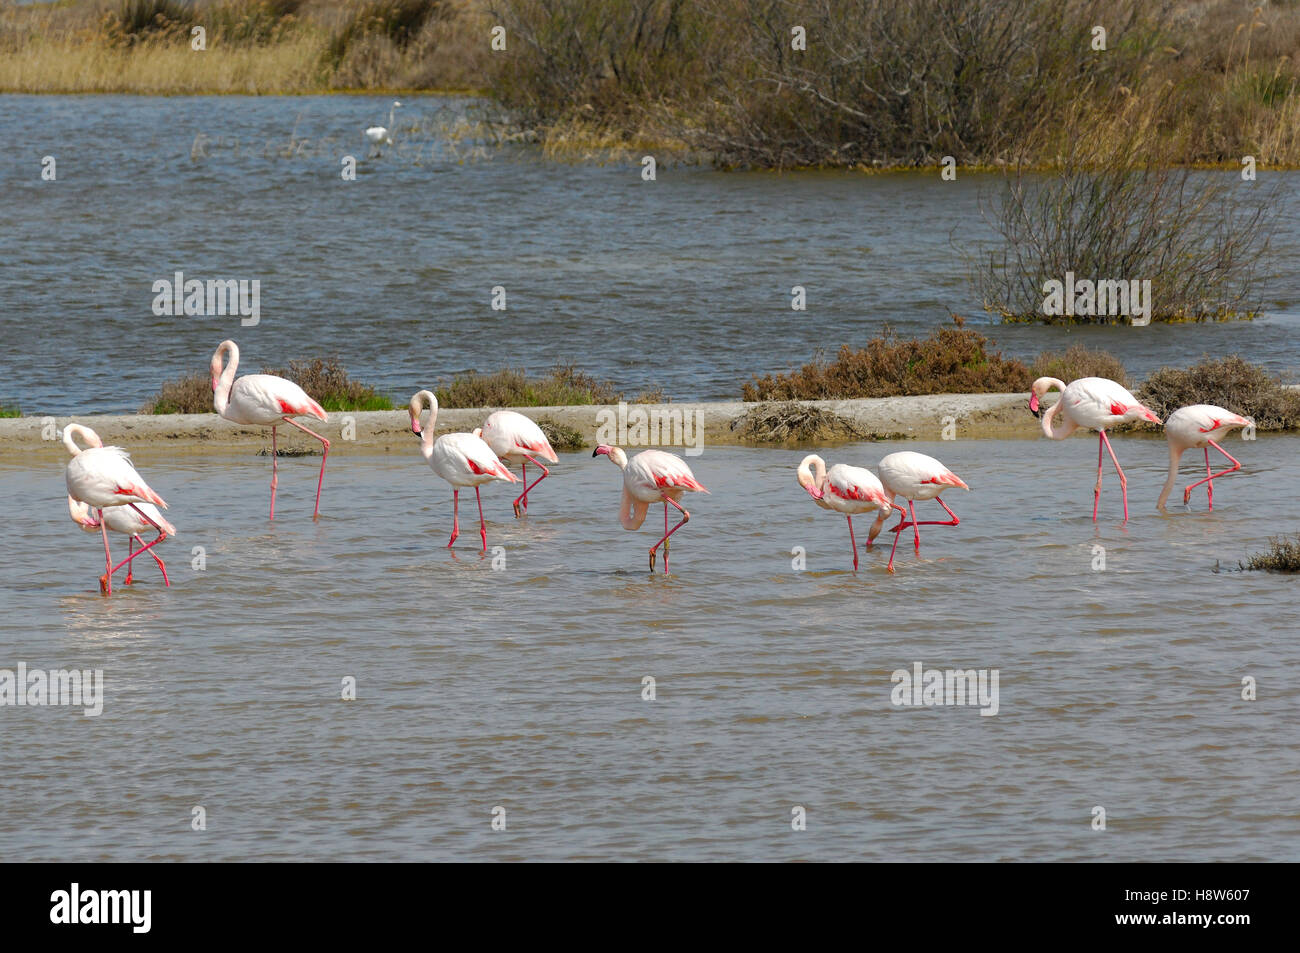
[424, 401]
[807, 479]
[631, 511]
[1175, 456]
[1049, 415]
[223, 378]
[72, 431]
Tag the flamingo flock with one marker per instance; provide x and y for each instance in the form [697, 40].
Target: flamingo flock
[105, 491]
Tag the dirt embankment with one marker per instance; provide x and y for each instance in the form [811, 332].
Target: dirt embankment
[688, 426]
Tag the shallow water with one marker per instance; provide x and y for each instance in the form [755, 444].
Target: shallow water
[682, 283]
[521, 687]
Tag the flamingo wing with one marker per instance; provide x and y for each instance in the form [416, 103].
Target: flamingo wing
[466, 459]
[265, 398]
[665, 471]
[855, 483]
[104, 476]
[510, 433]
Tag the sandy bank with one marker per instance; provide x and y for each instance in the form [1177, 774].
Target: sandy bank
[973, 416]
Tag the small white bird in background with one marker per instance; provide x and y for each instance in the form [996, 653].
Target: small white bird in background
[914, 476]
[103, 477]
[515, 438]
[1198, 427]
[652, 476]
[462, 459]
[382, 135]
[843, 489]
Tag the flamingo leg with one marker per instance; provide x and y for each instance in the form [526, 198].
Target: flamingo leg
[1123, 480]
[455, 516]
[130, 570]
[106, 580]
[1210, 477]
[852, 541]
[952, 522]
[482, 527]
[325, 452]
[902, 518]
[684, 520]
[1096, 494]
[524, 467]
[148, 546]
[161, 567]
[275, 471]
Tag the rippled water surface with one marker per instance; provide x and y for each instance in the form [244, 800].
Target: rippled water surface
[520, 687]
[682, 283]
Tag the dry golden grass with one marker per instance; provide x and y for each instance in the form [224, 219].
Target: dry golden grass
[76, 47]
[153, 69]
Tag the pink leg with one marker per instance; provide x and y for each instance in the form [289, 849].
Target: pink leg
[952, 522]
[275, 471]
[852, 542]
[325, 452]
[455, 516]
[524, 496]
[1123, 480]
[106, 580]
[161, 568]
[902, 518]
[482, 527]
[1210, 477]
[685, 519]
[148, 546]
[1096, 493]
[130, 570]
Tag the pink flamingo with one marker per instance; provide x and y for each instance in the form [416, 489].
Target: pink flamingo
[515, 438]
[264, 400]
[125, 520]
[914, 476]
[843, 489]
[103, 477]
[462, 459]
[651, 476]
[1199, 426]
[1095, 403]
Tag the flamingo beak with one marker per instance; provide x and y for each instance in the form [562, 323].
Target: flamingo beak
[1033, 405]
[815, 493]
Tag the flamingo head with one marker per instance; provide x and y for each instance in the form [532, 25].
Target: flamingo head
[419, 402]
[1039, 390]
[615, 454]
[805, 475]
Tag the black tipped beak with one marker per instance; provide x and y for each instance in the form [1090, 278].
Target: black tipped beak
[595, 453]
[1037, 413]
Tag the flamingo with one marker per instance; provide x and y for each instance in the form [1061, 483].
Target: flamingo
[515, 438]
[462, 459]
[914, 476]
[844, 489]
[264, 400]
[103, 477]
[1095, 403]
[125, 520]
[1198, 426]
[381, 135]
[650, 477]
